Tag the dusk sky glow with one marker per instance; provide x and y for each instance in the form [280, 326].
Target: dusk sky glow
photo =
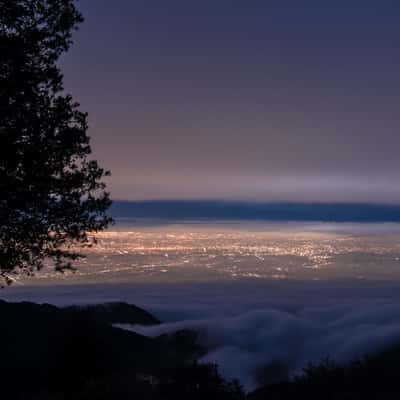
[262, 100]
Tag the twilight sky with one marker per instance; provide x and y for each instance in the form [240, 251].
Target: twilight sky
[294, 100]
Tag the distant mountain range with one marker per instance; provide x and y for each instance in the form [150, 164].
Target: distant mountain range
[226, 210]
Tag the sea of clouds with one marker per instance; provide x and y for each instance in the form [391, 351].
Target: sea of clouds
[256, 331]
[246, 344]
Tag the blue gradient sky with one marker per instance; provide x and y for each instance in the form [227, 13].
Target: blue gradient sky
[261, 100]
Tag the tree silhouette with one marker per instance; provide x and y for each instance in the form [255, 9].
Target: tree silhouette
[51, 192]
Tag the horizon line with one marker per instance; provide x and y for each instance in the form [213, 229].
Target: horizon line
[260, 202]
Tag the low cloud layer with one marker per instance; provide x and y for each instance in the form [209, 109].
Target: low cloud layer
[256, 329]
[282, 343]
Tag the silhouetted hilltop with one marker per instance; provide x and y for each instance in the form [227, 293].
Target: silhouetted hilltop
[44, 342]
[113, 313]
[76, 353]
[107, 313]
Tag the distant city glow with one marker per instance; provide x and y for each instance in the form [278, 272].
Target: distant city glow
[229, 251]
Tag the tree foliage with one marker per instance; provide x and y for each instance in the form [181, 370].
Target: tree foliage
[51, 193]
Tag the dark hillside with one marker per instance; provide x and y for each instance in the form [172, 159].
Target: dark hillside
[374, 377]
[76, 353]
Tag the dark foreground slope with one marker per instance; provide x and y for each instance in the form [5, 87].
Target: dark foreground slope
[76, 353]
[374, 377]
